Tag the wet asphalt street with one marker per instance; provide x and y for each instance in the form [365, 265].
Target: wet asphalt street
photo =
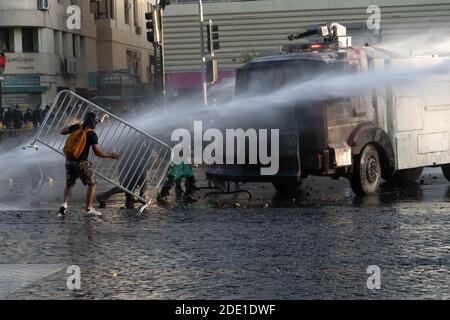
[315, 246]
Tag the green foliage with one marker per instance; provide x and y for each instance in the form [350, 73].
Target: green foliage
[248, 56]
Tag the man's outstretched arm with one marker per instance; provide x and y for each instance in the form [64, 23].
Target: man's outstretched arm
[99, 153]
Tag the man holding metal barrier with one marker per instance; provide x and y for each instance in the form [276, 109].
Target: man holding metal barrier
[82, 138]
[145, 162]
[136, 180]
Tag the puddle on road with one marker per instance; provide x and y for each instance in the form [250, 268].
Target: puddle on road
[324, 192]
[315, 192]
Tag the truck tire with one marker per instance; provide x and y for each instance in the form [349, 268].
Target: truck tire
[408, 175]
[446, 171]
[287, 186]
[366, 174]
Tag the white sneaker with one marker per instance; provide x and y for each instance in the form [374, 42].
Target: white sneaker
[93, 212]
[62, 210]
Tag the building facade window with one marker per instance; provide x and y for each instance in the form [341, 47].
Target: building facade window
[67, 44]
[133, 62]
[136, 13]
[7, 39]
[83, 47]
[57, 42]
[112, 9]
[102, 9]
[130, 61]
[76, 46]
[127, 7]
[30, 40]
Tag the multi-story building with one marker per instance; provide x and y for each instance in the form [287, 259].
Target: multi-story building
[124, 54]
[121, 40]
[43, 55]
[262, 26]
[108, 57]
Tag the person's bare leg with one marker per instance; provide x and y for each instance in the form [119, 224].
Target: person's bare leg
[67, 193]
[90, 197]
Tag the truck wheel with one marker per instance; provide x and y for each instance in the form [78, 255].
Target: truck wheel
[366, 171]
[287, 186]
[408, 175]
[446, 171]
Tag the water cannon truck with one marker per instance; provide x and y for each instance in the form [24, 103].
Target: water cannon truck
[388, 133]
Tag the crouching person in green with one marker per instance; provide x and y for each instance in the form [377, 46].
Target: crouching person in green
[177, 172]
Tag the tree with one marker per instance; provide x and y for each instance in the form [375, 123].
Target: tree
[248, 56]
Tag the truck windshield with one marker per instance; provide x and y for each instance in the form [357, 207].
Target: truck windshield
[265, 78]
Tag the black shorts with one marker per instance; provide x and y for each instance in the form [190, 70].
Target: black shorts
[82, 170]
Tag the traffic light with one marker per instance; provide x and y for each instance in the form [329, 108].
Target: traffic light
[212, 71]
[213, 37]
[164, 3]
[153, 26]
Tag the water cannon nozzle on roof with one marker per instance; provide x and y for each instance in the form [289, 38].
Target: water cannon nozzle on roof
[331, 31]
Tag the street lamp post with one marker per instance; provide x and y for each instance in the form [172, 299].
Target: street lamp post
[203, 58]
[1, 98]
[155, 35]
[2, 68]
[163, 59]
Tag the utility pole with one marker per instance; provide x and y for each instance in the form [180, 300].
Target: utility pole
[155, 35]
[212, 71]
[202, 49]
[2, 69]
[163, 59]
[1, 97]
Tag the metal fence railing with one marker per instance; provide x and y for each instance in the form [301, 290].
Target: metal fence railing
[144, 160]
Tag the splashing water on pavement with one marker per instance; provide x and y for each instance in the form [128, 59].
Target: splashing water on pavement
[14, 161]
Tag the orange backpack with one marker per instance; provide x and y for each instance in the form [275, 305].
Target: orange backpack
[76, 142]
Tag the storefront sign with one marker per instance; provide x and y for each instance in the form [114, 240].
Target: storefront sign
[25, 80]
[19, 59]
[21, 62]
[24, 100]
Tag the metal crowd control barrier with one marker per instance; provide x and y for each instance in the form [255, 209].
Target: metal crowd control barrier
[144, 160]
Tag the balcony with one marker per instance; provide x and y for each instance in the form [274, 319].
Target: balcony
[118, 85]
